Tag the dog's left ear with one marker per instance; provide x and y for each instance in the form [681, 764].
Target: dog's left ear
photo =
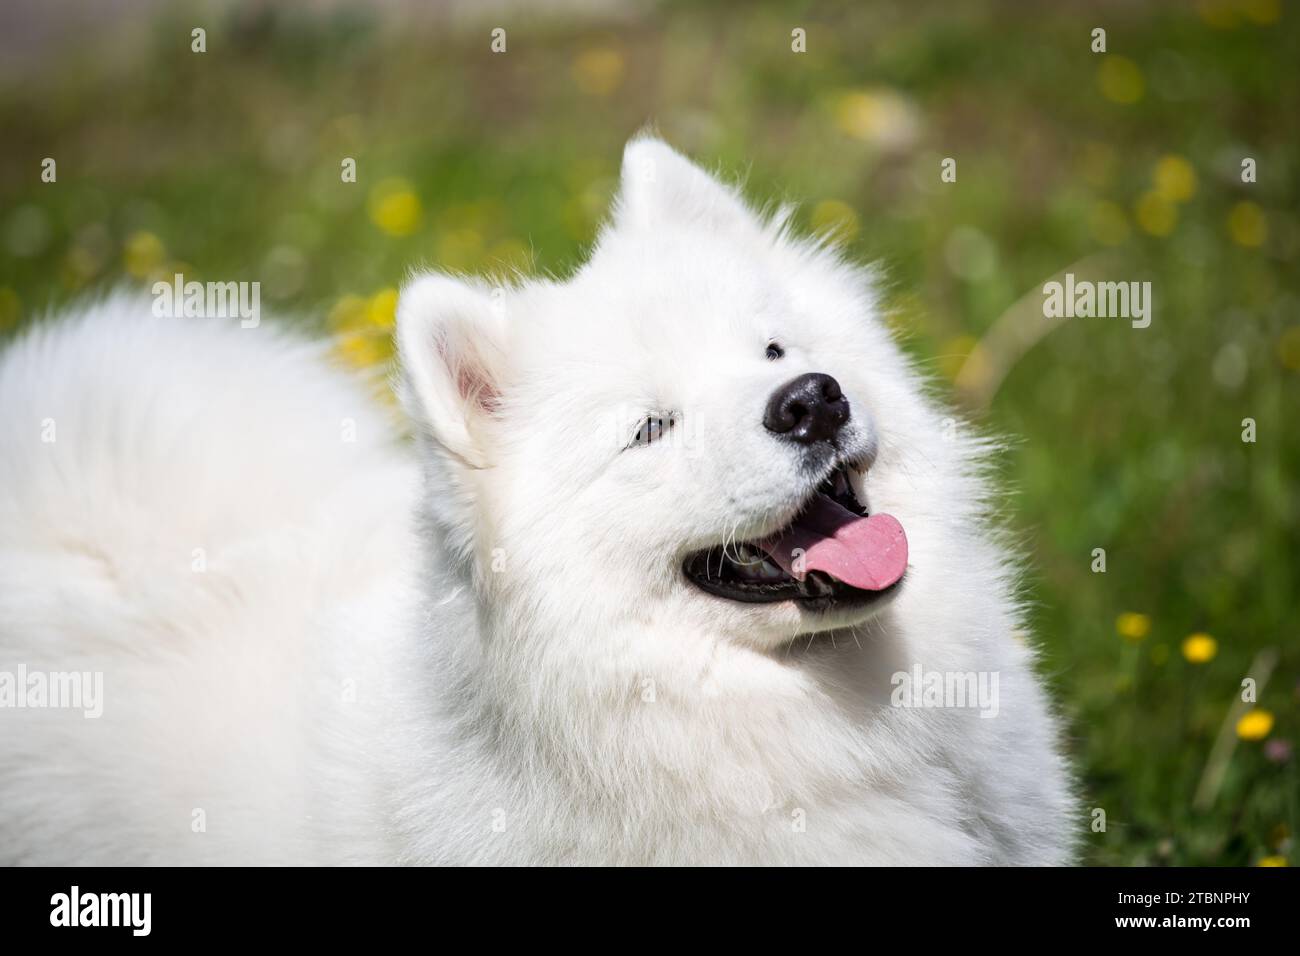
[659, 186]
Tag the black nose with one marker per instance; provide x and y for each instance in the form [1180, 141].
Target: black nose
[807, 409]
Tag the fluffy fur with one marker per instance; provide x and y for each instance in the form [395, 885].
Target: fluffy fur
[479, 647]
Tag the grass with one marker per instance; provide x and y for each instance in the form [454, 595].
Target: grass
[227, 165]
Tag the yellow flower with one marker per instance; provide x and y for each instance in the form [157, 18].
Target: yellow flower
[1200, 648]
[460, 249]
[1218, 13]
[395, 208]
[381, 310]
[835, 219]
[168, 271]
[598, 72]
[363, 350]
[1247, 225]
[143, 254]
[879, 116]
[1272, 861]
[1255, 724]
[1133, 626]
[956, 351]
[1262, 11]
[1175, 179]
[348, 314]
[1120, 79]
[11, 308]
[1288, 348]
[1156, 215]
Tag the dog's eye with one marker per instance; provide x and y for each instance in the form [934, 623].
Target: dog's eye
[774, 351]
[652, 429]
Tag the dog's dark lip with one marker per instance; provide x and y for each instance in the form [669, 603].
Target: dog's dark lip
[816, 592]
[742, 572]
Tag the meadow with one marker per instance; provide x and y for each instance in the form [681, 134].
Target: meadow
[1152, 472]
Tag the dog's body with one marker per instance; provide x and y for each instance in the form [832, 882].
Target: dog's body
[316, 647]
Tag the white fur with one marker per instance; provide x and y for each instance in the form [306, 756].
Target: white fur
[485, 652]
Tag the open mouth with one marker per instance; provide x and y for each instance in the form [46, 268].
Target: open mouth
[834, 552]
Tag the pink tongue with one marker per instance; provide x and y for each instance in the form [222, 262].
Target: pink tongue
[868, 553]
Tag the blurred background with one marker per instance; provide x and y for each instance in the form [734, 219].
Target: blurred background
[1123, 165]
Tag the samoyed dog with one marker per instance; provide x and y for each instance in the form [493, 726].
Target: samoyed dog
[681, 567]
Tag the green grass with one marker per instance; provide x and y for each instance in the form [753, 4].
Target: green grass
[226, 165]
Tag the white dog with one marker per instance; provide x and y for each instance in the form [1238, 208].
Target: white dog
[686, 568]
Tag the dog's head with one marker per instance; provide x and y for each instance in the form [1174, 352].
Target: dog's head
[690, 433]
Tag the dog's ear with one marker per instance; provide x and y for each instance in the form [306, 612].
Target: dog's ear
[451, 336]
[659, 186]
